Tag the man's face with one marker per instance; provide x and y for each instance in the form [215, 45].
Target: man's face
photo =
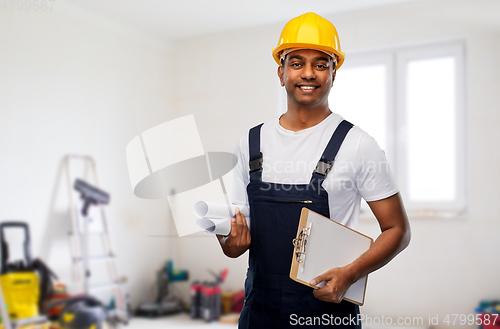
[307, 76]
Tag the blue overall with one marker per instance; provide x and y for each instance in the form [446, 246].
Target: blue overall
[272, 299]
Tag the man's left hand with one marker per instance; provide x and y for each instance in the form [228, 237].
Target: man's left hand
[337, 281]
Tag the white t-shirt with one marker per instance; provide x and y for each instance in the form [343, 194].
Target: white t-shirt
[360, 169]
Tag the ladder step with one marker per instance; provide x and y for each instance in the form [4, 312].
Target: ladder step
[95, 258]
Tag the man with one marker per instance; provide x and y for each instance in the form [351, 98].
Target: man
[291, 166]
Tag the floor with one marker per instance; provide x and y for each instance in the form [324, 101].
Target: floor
[175, 321]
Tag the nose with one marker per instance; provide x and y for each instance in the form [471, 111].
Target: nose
[308, 72]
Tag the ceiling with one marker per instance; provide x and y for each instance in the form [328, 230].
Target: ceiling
[173, 20]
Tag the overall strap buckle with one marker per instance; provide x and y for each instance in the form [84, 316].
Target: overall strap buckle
[254, 154]
[256, 164]
[325, 163]
[323, 167]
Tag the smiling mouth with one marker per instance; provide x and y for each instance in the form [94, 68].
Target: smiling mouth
[307, 88]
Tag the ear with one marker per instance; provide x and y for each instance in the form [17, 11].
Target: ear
[280, 75]
[333, 76]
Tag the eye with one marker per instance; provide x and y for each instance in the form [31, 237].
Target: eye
[295, 64]
[322, 66]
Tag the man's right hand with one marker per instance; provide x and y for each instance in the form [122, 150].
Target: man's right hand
[238, 240]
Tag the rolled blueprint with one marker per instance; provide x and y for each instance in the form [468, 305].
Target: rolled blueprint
[216, 216]
[215, 225]
[216, 210]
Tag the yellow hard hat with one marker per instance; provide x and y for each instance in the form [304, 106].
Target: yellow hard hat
[309, 31]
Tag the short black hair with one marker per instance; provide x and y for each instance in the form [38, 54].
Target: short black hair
[282, 61]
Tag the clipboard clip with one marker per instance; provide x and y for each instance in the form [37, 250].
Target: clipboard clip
[300, 244]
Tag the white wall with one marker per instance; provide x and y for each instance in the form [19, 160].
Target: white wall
[74, 82]
[229, 82]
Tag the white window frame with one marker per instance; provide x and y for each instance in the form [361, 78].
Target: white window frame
[456, 50]
[396, 60]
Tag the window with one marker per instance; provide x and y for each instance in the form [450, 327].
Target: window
[411, 100]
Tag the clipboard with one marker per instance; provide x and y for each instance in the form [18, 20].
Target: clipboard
[322, 244]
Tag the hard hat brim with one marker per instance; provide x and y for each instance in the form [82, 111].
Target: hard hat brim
[277, 50]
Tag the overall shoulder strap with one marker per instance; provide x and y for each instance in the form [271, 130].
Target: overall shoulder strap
[325, 163]
[255, 156]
